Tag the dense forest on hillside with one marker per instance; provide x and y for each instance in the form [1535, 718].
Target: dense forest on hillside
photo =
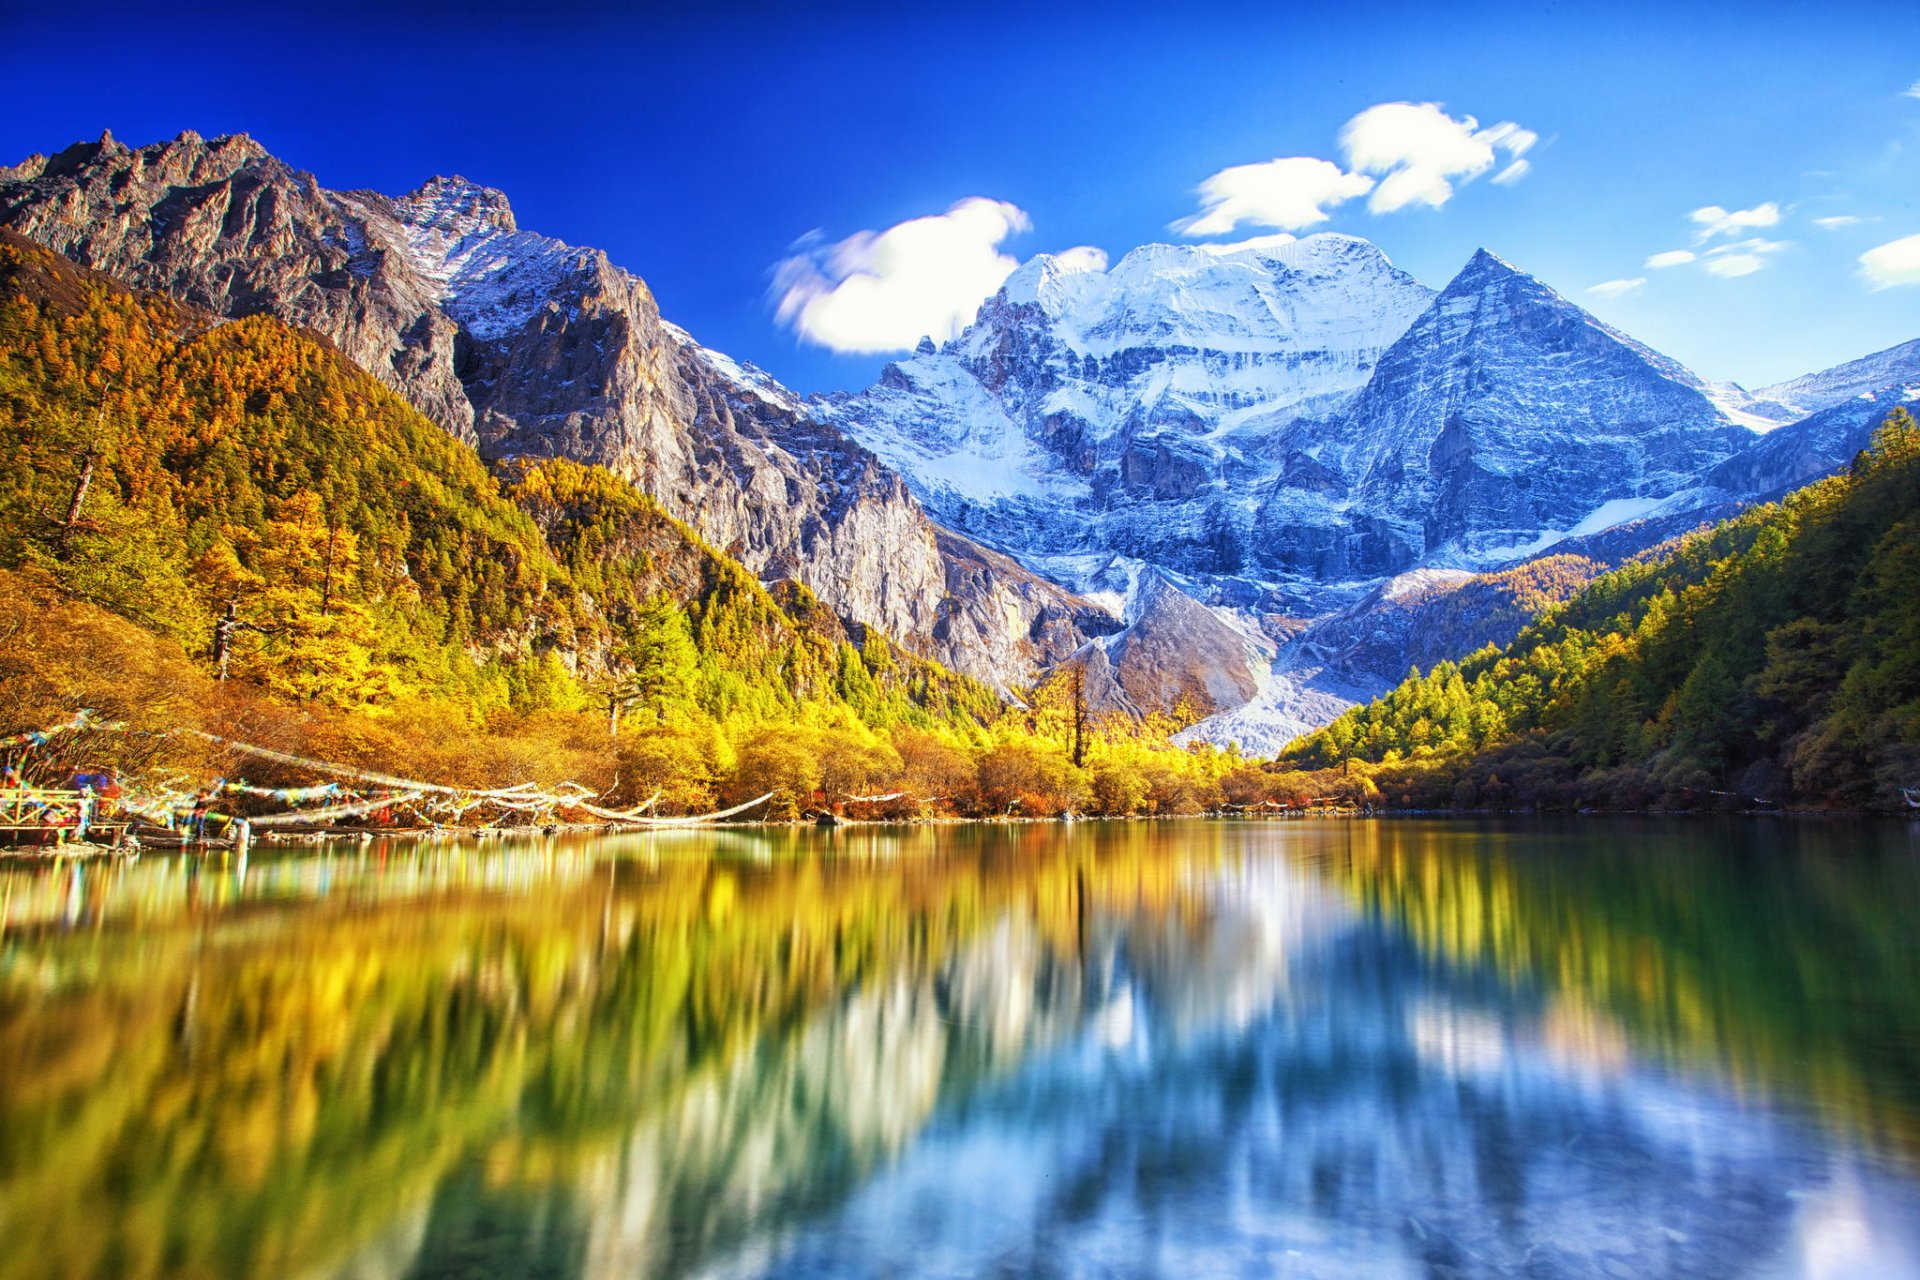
[1773, 659]
[207, 523]
[211, 522]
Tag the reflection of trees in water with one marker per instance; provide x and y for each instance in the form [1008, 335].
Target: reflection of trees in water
[1771, 954]
[1404, 1107]
[479, 1232]
[652, 1064]
[783, 1134]
[221, 1084]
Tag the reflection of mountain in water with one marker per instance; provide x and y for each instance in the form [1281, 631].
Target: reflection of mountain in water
[1315, 1049]
[247, 1074]
[1373, 1114]
[786, 1131]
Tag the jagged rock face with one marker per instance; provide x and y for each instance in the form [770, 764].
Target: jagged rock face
[1897, 368]
[863, 536]
[1281, 430]
[1816, 446]
[992, 600]
[1291, 415]
[1178, 654]
[227, 227]
[1278, 429]
[1503, 419]
[1130, 410]
[523, 345]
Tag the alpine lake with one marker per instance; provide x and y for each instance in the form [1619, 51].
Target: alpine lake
[1598, 1047]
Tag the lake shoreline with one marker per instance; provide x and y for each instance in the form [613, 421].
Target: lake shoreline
[367, 836]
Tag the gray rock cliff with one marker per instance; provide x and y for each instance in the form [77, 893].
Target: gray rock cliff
[525, 346]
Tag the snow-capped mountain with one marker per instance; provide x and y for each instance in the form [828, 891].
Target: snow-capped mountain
[1281, 418]
[1134, 410]
[1895, 367]
[1817, 445]
[1271, 471]
[1278, 430]
[1504, 419]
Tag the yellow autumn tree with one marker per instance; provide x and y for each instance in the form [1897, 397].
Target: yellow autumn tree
[305, 627]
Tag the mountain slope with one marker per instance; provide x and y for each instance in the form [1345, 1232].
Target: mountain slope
[227, 526]
[527, 347]
[1282, 429]
[1817, 445]
[1274, 433]
[1504, 418]
[1776, 657]
[1127, 410]
[1896, 366]
[360, 556]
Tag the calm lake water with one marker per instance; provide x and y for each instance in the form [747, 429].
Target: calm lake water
[1607, 1048]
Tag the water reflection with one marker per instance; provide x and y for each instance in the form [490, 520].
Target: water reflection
[1317, 1049]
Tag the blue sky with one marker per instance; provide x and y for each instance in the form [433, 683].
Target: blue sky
[698, 148]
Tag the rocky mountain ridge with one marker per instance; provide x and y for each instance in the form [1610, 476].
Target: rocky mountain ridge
[1897, 366]
[1503, 419]
[1321, 451]
[1252, 480]
[525, 346]
[1134, 411]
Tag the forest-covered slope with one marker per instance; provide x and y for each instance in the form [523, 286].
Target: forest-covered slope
[227, 525]
[169, 467]
[1775, 658]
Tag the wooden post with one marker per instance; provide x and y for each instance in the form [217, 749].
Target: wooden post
[223, 638]
[74, 507]
[326, 576]
[1079, 688]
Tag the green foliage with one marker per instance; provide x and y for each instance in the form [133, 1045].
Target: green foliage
[366, 557]
[254, 503]
[1775, 656]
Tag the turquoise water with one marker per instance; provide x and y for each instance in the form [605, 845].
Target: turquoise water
[1612, 1047]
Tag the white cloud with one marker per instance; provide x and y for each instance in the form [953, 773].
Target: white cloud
[1741, 258]
[1896, 262]
[1512, 173]
[1085, 257]
[1419, 152]
[1838, 221]
[1912, 90]
[1734, 264]
[1273, 241]
[1715, 221]
[1617, 288]
[1671, 258]
[881, 291]
[1290, 193]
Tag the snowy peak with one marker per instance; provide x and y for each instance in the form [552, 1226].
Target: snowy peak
[1504, 290]
[1493, 290]
[1134, 408]
[1506, 301]
[1896, 366]
[1484, 266]
[493, 278]
[454, 208]
[1503, 419]
[1046, 280]
[1220, 298]
[1300, 292]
